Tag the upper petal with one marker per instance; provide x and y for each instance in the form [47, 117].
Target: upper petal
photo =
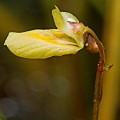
[69, 24]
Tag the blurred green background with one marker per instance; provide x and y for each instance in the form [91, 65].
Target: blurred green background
[58, 88]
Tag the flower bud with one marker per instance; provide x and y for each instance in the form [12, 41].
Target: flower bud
[92, 45]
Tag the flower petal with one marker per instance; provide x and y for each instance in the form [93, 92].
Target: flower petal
[41, 44]
[69, 24]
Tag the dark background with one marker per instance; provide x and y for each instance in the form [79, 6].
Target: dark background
[57, 88]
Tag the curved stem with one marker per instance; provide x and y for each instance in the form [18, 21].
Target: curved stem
[100, 45]
[99, 75]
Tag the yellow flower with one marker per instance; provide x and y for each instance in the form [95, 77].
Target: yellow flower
[41, 44]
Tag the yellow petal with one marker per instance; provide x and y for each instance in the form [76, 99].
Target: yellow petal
[61, 19]
[69, 24]
[69, 17]
[41, 44]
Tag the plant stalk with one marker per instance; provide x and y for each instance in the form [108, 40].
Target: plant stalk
[99, 75]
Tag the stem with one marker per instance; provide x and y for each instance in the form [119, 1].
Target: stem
[99, 75]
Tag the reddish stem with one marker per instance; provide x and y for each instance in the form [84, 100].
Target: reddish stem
[99, 75]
